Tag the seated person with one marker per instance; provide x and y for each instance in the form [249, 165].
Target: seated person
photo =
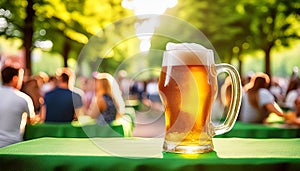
[31, 88]
[107, 104]
[258, 102]
[292, 95]
[61, 104]
[294, 117]
[14, 104]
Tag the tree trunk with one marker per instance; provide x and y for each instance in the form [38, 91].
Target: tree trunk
[240, 62]
[28, 34]
[66, 52]
[268, 60]
[240, 69]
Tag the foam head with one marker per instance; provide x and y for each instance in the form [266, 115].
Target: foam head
[187, 54]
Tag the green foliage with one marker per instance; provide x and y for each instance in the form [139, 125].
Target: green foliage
[238, 27]
[234, 28]
[64, 22]
[270, 25]
[221, 23]
[14, 14]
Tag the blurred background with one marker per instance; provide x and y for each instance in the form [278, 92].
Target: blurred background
[117, 36]
[253, 35]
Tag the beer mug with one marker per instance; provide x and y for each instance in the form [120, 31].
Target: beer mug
[188, 88]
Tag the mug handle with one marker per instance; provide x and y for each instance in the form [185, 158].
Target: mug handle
[236, 98]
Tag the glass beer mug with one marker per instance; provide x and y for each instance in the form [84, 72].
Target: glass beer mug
[188, 88]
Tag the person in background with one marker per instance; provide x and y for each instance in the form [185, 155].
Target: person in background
[13, 104]
[31, 88]
[292, 95]
[107, 104]
[293, 81]
[258, 102]
[41, 79]
[49, 85]
[87, 87]
[294, 116]
[61, 104]
[277, 91]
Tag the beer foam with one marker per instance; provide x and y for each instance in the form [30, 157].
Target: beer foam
[187, 54]
[184, 46]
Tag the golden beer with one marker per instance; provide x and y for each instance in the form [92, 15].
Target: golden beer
[188, 97]
[188, 87]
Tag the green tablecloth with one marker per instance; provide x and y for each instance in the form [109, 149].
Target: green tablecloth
[276, 130]
[67, 130]
[240, 130]
[83, 128]
[145, 154]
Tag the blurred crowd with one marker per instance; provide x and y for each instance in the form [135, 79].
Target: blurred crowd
[55, 98]
[61, 98]
[143, 92]
[44, 98]
[263, 96]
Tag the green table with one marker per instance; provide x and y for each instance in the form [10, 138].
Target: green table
[145, 154]
[67, 130]
[85, 127]
[275, 130]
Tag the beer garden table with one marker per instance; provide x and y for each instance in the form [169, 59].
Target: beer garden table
[83, 128]
[67, 130]
[273, 130]
[130, 153]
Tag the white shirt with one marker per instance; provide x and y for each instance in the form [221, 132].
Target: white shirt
[13, 103]
[291, 98]
[250, 113]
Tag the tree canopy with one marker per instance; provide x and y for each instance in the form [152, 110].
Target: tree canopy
[68, 24]
[240, 26]
[234, 28]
